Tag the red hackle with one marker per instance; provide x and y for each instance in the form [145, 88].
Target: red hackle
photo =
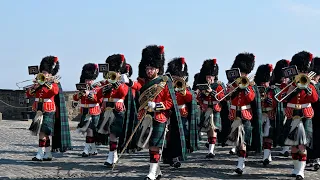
[55, 59]
[270, 67]
[161, 49]
[214, 61]
[122, 57]
[310, 57]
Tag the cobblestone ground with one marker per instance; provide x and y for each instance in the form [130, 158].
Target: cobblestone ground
[17, 147]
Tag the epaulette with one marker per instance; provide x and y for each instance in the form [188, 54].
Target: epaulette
[219, 82]
[252, 83]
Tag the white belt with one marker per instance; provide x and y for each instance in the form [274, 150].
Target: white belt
[88, 105]
[298, 106]
[240, 107]
[112, 100]
[182, 106]
[213, 102]
[42, 100]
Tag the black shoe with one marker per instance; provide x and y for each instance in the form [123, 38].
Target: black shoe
[285, 154]
[210, 155]
[84, 155]
[47, 159]
[108, 164]
[316, 167]
[238, 171]
[266, 162]
[231, 152]
[157, 178]
[176, 164]
[298, 177]
[93, 154]
[36, 159]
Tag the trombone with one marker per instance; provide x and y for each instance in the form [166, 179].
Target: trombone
[111, 76]
[180, 84]
[39, 79]
[301, 81]
[241, 82]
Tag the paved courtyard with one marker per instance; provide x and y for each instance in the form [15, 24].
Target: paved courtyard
[17, 147]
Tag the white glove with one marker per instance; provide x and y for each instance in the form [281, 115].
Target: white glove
[124, 78]
[151, 104]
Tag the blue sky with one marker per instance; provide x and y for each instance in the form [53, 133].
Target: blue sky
[82, 31]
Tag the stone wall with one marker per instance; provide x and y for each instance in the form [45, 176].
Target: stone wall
[13, 105]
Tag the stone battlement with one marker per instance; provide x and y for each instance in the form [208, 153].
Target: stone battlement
[17, 99]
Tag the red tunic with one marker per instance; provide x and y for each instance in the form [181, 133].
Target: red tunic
[116, 96]
[271, 108]
[136, 86]
[302, 101]
[163, 102]
[206, 99]
[45, 95]
[182, 100]
[242, 102]
[93, 105]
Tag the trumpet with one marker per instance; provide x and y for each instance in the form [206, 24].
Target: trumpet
[242, 82]
[301, 81]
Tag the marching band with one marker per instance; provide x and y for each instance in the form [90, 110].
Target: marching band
[161, 112]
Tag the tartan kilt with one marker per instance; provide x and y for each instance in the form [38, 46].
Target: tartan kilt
[116, 127]
[157, 135]
[247, 132]
[94, 122]
[285, 130]
[186, 128]
[47, 125]
[216, 120]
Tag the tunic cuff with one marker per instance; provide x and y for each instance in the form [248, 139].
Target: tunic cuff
[160, 106]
